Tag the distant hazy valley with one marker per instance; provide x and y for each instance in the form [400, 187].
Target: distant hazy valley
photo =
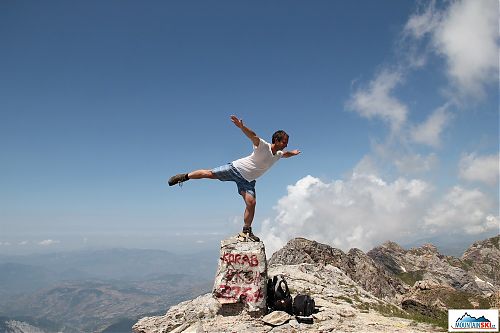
[97, 291]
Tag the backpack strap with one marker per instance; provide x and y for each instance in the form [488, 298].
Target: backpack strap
[281, 281]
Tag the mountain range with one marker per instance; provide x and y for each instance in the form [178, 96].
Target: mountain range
[387, 289]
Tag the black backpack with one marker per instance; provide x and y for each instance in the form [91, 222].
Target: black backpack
[303, 305]
[278, 295]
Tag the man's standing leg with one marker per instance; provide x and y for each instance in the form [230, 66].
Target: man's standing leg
[250, 203]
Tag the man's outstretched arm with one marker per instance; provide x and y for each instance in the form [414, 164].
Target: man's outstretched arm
[291, 153]
[248, 132]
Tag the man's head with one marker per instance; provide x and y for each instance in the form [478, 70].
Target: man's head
[280, 139]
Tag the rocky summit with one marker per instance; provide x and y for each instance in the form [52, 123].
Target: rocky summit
[388, 289]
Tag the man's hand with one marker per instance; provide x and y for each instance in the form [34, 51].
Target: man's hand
[291, 153]
[248, 132]
[236, 121]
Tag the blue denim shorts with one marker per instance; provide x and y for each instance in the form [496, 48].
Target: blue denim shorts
[228, 172]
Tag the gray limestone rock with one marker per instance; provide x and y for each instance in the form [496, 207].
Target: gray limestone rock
[242, 275]
[361, 268]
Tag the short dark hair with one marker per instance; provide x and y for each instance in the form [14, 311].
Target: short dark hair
[279, 136]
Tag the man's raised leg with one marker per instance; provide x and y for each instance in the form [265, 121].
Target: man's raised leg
[198, 174]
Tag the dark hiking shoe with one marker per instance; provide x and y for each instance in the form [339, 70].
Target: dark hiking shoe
[178, 179]
[248, 236]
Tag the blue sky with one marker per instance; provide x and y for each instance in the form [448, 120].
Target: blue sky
[393, 108]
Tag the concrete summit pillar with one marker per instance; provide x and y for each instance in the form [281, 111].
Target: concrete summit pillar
[241, 279]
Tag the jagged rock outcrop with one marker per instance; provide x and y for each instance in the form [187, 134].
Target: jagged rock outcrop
[342, 305]
[371, 275]
[426, 263]
[354, 291]
[440, 282]
[15, 326]
[482, 259]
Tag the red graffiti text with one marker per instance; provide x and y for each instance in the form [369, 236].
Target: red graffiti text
[242, 259]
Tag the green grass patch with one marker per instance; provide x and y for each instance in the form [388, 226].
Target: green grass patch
[438, 318]
[457, 300]
[485, 303]
[467, 264]
[357, 299]
[346, 299]
[411, 277]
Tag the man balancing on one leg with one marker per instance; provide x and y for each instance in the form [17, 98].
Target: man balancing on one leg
[246, 170]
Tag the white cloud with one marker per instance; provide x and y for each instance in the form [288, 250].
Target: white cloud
[377, 101]
[466, 35]
[462, 211]
[48, 242]
[480, 168]
[429, 132]
[421, 24]
[358, 212]
[22, 243]
[416, 163]
[365, 210]
[468, 38]
[395, 156]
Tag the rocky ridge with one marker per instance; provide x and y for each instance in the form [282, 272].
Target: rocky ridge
[387, 289]
[438, 282]
[483, 260]
[343, 305]
[369, 274]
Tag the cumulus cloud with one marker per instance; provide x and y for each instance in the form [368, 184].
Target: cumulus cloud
[429, 132]
[480, 168]
[358, 212]
[377, 101]
[466, 35]
[462, 211]
[468, 38]
[48, 242]
[365, 210]
[463, 33]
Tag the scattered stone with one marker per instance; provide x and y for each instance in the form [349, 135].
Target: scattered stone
[181, 329]
[346, 312]
[276, 318]
[294, 324]
[195, 328]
